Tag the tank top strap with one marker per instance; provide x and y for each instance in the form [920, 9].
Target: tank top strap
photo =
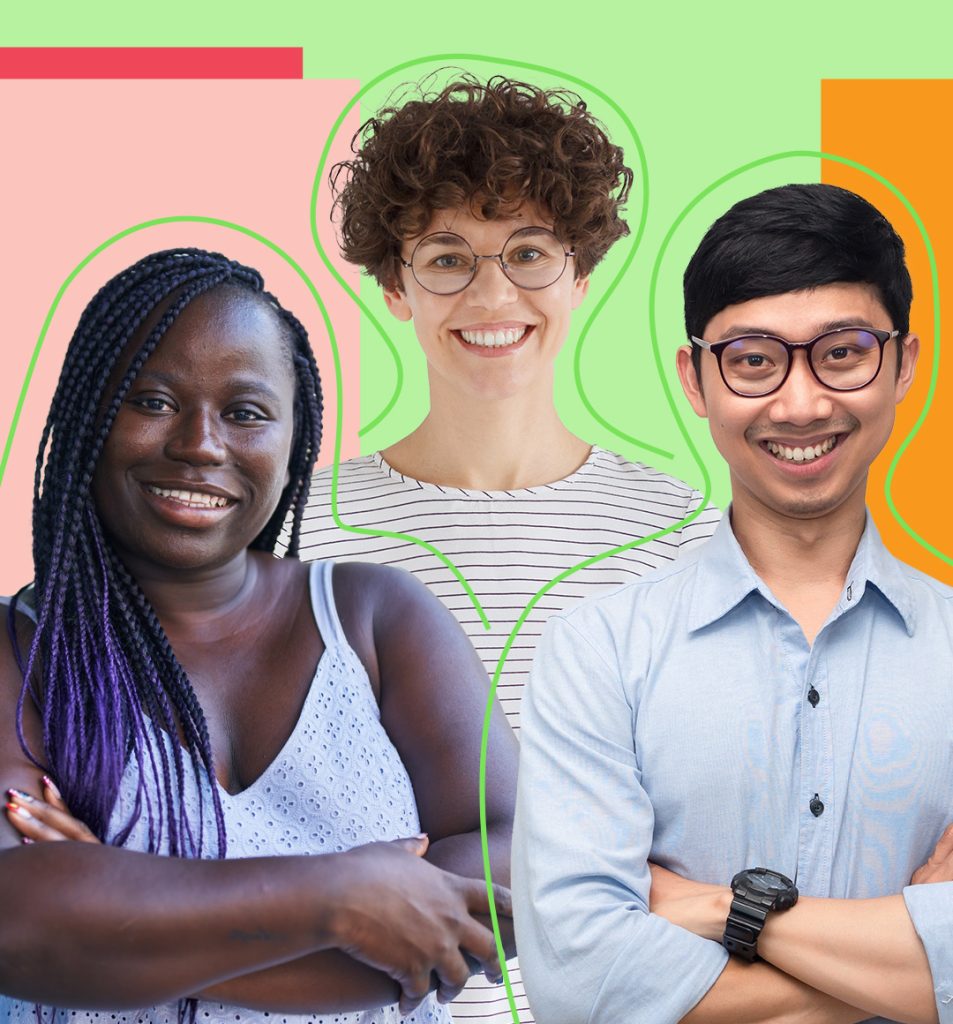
[323, 607]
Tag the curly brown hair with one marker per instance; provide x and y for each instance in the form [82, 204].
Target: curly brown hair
[488, 146]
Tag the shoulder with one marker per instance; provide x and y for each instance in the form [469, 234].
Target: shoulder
[614, 468]
[628, 619]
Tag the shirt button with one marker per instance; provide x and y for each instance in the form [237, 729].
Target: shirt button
[813, 696]
[817, 807]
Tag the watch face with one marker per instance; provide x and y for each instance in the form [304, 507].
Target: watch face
[762, 880]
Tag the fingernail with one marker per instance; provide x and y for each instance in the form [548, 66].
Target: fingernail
[26, 840]
[17, 809]
[18, 794]
[51, 786]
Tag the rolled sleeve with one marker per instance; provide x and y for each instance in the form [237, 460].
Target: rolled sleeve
[590, 951]
[931, 909]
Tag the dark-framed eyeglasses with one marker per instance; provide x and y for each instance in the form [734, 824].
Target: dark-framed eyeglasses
[444, 263]
[756, 365]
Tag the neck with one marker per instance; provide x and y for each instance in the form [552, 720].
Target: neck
[182, 596]
[804, 562]
[494, 445]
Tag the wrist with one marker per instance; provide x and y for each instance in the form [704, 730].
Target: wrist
[719, 906]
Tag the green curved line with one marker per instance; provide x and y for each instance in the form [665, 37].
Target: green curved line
[185, 219]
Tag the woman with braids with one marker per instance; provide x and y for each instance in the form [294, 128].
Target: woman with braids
[160, 673]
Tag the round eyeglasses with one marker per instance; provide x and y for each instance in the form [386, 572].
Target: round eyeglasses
[532, 258]
[756, 365]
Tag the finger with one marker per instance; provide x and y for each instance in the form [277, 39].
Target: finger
[417, 845]
[479, 943]
[478, 900]
[52, 795]
[59, 824]
[452, 974]
[413, 991]
[944, 847]
[28, 826]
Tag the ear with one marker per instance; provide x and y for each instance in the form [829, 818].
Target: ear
[396, 299]
[691, 385]
[580, 289]
[911, 352]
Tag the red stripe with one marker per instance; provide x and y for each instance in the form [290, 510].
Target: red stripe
[152, 62]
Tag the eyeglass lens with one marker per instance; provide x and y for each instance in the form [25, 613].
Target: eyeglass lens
[532, 258]
[843, 360]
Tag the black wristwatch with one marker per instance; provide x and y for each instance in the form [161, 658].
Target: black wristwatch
[757, 891]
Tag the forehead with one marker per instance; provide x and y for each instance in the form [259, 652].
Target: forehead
[478, 231]
[227, 327]
[802, 315]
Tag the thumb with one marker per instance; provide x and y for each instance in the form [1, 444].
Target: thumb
[416, 845]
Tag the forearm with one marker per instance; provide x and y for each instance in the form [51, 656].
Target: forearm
[463, 854]
[864, 952]
[326, 982]
[166, 927]
[331, 982]
[761, 994]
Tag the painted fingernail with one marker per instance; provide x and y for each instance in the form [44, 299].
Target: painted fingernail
[17, 809]
[26, 840]
[51, 786]
[18, 794]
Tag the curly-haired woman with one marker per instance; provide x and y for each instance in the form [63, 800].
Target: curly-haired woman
[481, 210]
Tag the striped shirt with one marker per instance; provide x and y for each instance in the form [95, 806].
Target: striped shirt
[508, 545]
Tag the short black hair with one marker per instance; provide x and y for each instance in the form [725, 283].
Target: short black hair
[790, 238]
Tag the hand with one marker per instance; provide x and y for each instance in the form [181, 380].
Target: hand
[412, 920]
[696, 906]
[939, 867]
[46, 820]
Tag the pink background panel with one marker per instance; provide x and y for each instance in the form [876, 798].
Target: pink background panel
[89, 159]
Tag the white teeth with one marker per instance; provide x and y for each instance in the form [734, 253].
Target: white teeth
[493, 339]
[806, 454]
[194, 499]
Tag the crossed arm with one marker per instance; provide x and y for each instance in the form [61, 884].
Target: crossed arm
[294, 934]
[602, 932]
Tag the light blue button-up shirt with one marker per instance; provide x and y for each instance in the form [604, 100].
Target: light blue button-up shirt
[685, 719]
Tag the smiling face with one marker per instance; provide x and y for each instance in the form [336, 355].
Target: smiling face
[803, 451]
[197, 456]
[493, 339]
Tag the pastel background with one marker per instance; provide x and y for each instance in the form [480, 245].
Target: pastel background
[706, 88]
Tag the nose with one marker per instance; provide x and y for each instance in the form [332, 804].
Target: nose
[196, 438]
[490, 287]
[802, 399]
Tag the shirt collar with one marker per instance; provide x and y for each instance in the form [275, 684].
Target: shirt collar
[724, 578]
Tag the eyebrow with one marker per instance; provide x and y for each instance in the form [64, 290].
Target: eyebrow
[448, 237]
[744, 330]
[239, 385]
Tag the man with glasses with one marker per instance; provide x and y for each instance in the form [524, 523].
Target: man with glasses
[732, 769]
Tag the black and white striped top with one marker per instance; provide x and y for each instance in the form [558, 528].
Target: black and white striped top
[507, 545]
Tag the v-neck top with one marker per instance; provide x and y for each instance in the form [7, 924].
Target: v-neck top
[338, 782]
